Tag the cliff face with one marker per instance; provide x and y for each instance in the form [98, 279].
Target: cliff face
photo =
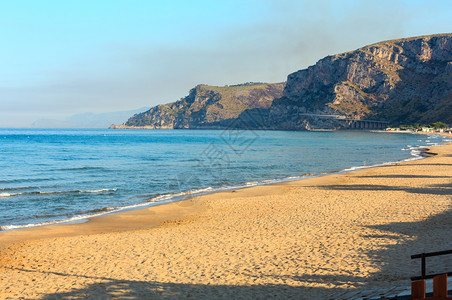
[400, 81]
[207, 107]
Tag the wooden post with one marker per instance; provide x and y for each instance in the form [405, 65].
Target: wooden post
[423, 265]
[418, 290]
[440, 286]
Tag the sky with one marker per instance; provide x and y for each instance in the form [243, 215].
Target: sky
[60, 58]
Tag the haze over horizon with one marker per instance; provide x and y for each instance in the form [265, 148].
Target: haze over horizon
[64, 58]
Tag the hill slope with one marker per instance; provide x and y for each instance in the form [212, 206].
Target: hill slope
[207, 107]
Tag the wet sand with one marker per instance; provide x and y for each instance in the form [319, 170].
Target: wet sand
[302, 239]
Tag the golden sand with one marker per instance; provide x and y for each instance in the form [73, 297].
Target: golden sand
[301, 239]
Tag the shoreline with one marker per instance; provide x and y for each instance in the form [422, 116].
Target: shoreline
[305, 238]
[182, 196]
[424, 153]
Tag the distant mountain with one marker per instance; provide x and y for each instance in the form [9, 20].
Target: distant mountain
[207, 107]
[88, 120]
[402, 81]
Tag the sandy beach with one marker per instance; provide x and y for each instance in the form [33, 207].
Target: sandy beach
[301, 239]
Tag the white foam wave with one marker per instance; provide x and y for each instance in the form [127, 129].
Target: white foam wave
[353, 169]
[5, 194]
[252, 183]
[99, 191]
[197, 191]
[74, 219]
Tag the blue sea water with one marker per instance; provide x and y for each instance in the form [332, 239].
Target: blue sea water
[50, 176]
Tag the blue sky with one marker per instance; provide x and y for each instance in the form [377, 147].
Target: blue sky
[60, 58]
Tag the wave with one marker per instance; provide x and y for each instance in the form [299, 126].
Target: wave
[98, 191]
[26, 180]
[4, 195]
[76, 192]
[19, 188]
[66, 215]
[81, 169]
[74, 219]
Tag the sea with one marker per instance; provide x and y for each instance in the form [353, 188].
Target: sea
[52, 176]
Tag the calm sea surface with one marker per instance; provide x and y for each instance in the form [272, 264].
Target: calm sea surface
[49, 176]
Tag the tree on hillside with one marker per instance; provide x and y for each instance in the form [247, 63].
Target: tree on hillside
[438, 125]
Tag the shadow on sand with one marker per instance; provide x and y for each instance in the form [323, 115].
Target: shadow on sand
[404, 176]
[110, 288]
[439, 189]
[430, 235]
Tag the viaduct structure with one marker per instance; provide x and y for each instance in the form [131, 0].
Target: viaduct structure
[362, 124]
[348, 123]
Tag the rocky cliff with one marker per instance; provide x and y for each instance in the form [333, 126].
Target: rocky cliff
[207, 107]
[401, 81]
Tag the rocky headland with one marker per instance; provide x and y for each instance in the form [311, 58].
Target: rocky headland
[207, 107]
